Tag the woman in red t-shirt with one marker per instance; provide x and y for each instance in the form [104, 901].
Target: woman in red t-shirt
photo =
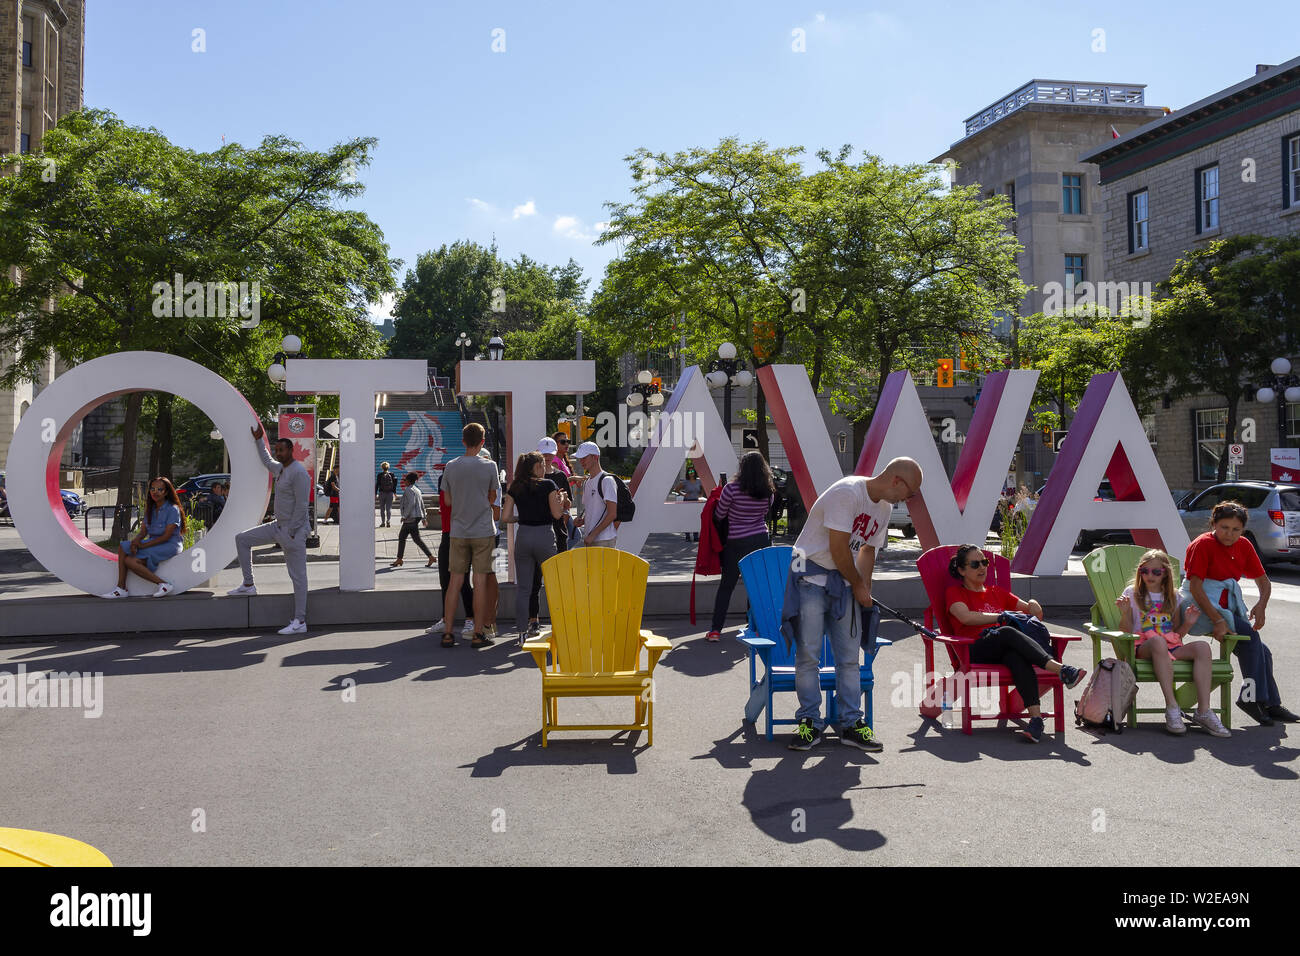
[1219, 559]
[975, 608]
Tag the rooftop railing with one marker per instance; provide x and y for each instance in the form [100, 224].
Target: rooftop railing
[1059, 92]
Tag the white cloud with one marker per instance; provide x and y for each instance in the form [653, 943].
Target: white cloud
[379, 311]
[602, 226]
[480, 205]
[571, 227]
[527, 209]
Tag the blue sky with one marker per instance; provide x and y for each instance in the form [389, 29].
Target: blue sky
[527, 144]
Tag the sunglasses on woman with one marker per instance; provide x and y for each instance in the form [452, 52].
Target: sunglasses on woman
[1154, 572]
[978, 564]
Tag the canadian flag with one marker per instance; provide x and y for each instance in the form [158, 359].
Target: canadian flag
[1114, 133]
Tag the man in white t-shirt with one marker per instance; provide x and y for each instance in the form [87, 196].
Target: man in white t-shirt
[831, 569]
[599, 500]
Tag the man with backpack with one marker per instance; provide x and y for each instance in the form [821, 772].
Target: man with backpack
[385, 488]
[602, 496]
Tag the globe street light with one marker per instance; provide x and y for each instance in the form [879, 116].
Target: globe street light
[727, 372]
[1283, 386]
[645, 391]
[290, 347]
[463, 340]
[215, 435]
[496, 348]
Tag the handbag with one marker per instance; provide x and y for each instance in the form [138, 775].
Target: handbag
[1028, 625]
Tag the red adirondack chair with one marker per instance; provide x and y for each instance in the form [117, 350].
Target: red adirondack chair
[933, 566]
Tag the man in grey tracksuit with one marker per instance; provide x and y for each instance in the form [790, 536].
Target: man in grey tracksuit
[288, 530]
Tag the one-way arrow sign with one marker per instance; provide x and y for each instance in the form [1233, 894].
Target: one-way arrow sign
[328, 429]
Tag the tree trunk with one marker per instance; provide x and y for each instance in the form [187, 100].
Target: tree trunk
[163, 434]
[760, 406]
[1230, 434]
[126, 469]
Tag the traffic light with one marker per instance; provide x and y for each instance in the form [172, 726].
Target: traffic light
[585, 428]
[1047, 436]
[945, 373]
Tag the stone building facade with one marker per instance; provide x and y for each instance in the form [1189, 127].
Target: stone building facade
[42, 45]
[1226, 165]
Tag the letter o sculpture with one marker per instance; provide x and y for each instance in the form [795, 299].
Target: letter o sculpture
[32, 478]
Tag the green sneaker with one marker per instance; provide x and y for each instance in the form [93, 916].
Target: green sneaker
[862, 737]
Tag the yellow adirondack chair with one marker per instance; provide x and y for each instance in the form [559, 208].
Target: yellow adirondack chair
[596, 596]
[1110, 570]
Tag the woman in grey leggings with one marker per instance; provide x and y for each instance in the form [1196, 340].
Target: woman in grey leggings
[533, 503]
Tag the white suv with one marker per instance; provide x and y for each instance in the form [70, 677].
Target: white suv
[1274, 515]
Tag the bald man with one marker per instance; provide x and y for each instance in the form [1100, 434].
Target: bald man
[830, 572]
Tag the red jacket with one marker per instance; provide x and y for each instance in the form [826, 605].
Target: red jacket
[708, 559]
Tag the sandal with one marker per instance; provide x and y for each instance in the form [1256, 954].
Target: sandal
[396, 564]
[481, 640]
[448, 640]
[432, 562]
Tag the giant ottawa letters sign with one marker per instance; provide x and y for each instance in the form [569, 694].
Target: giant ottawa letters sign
[1106, 440]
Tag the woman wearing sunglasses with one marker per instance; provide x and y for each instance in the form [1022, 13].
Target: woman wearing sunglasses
[1149, 608]
[974, 608]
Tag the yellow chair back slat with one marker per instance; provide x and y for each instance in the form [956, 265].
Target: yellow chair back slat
[596, 597]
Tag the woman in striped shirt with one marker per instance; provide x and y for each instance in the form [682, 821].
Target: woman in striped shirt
[744, 503]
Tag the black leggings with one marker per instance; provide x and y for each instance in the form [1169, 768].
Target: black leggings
[444, 577]
[1018, 653]
[534, 596]
[732, 552]
[411, 529]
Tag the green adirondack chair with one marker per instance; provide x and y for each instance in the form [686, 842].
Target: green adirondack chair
[1110, 570]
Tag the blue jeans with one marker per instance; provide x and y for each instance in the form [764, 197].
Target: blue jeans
[1256, 662]
[815, 620]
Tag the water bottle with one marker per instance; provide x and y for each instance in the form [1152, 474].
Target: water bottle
[946, 717]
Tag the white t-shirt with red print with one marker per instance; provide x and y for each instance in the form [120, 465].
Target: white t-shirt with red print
[844, 506]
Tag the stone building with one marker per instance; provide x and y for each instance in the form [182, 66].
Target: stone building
[41, 71]
[1026, 146]
[1226, 165]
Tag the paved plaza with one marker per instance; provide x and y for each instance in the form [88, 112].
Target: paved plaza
[378, 747]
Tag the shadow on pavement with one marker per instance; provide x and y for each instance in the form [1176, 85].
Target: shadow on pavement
[802, 797]
[698, 658]
[1255, 747]
[998, 741]
[618, 753]
[419, 657]
[139, 654]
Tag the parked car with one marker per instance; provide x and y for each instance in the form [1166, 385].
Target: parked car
[1274, 510]
[1089, 538]
[901, 518]
[71, 500]
[198, 486]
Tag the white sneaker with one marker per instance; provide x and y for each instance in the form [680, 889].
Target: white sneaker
[243, 589]
[469, 626]
[164, 589]
[1211, 723]
[1174, 721]
[114, 594]
[436, 628]
[294, 627]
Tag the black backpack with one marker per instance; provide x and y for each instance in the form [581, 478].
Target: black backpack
[387, 483]
[626, 507]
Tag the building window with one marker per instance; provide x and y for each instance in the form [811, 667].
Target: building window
[1072, 194]
[1010, 191]
[26, 135]
[1292, 421]
[1291, 171]
[1139, 221]
[1153, 433]
[1207, 198]
[29, 31]
[1211, 436]
[1073, 272]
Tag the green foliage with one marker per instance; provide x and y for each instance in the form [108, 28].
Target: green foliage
[1226, 312]
[556, 339]
[1068, 350]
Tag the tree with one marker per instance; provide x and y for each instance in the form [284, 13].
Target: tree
[125, 211]
[555, 339]
[1226, 311]
[1068, 349]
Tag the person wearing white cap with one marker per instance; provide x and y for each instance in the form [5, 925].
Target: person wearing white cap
[549, 449]
[599, 500]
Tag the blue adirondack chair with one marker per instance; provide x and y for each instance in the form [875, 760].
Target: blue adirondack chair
[764, 573]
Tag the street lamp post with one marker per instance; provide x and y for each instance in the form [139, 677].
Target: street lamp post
[463, 341]
[290, 347]
[1285, 387]
[496, 352]
[645, 392]
[726, 372]
[215, 435]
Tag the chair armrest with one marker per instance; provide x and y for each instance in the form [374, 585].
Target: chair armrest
[655, 646]
[539, 650]
[759, 644]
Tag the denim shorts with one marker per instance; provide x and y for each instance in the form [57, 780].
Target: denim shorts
[155, 554]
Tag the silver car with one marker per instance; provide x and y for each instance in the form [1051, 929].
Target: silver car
[1274, 524]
